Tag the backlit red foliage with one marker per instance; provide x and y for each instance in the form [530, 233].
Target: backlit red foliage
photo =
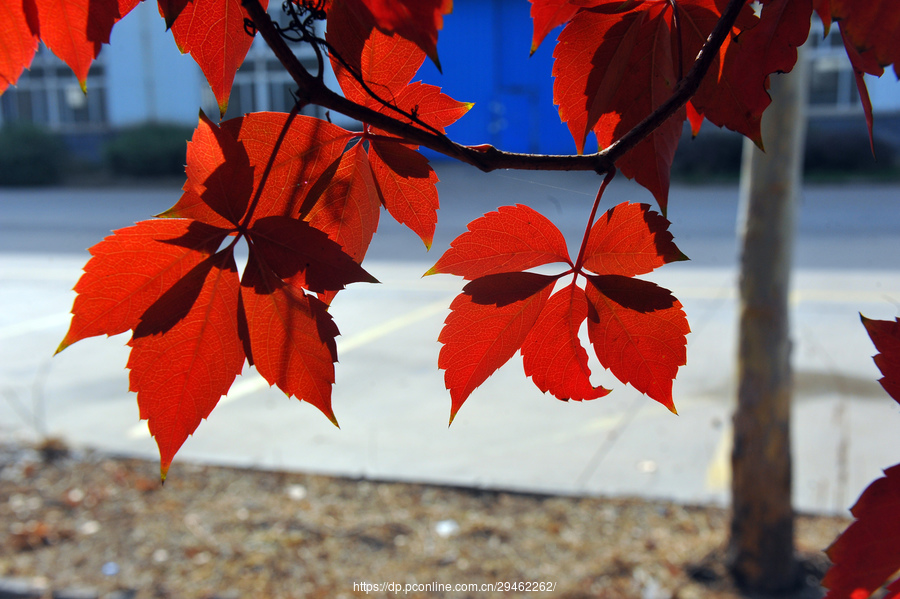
[304, 195]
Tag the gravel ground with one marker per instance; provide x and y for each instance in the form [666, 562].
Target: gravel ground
[83, 522]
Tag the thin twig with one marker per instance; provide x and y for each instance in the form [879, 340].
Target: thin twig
[359, 79]
[579, 262]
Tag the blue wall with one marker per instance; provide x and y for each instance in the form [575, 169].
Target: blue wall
[484, 54]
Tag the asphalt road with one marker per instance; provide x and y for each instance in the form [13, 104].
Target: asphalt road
[390, 397]
[840, 226]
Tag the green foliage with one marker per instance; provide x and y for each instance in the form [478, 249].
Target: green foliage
[30, 155]
[150, 150]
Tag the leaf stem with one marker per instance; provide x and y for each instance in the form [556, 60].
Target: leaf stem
[248, 217]
[587, 231]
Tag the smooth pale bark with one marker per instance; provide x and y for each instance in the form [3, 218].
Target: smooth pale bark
[761, 545]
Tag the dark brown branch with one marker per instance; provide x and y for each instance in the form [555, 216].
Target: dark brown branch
[686, 88]
[488, 158]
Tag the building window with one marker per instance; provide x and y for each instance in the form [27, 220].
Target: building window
[49, 94]
[831, 79]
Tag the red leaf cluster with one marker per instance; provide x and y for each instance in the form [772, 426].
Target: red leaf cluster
[367, 60]
[307, 207]
[193, 319]
[616, 62]
[636, 328]
[71, 29]
[212, 31]
[415, 20]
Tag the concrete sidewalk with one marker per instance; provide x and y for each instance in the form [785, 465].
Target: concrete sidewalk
[390, 397]
[393, 408]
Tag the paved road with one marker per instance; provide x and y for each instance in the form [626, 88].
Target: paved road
[390, 397]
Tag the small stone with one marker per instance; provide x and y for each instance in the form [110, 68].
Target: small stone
[123, 594]
[74, 497]
[296, 492]
[446, 528]
[91, 527]
[647, 466]
[110, 569]
[160, 556]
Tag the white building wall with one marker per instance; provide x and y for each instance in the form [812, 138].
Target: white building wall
[148, 78]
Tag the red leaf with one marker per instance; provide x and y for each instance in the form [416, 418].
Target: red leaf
[219, 178]
[213, 33]
[638, 332]
[720, 93]
[386, 62]
[886, 337]
[583, 91]
[695, 118]
[612, 70]
[547, 15]
[161, 280]
[629, 240]
[131, 269]
[638, 329]
[74, 29]
[406, 184]
[349, 208]
[291, 158]
[291, 335]
[180, 369]
[416, 20]
[552, 353]
[19, 31]
[862, 63]
[871, 25]
[303, 256]
[430, 105]
[513, 238]
[617, 61]
[823, 9]
[171, 9]
[867, 555]
[740, 95]
[487, 324]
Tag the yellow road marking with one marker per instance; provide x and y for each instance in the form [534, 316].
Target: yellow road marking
[252, 382]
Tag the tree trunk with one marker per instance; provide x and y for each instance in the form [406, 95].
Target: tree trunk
[761, 545]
